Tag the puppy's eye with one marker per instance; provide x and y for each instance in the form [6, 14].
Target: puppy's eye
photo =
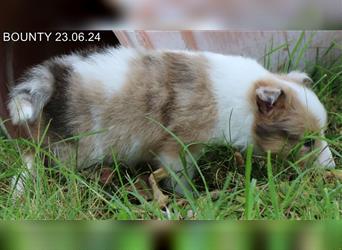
[309, 143]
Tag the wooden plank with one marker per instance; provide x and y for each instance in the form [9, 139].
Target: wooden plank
[144, 39]
[245, 43]
[189, 40]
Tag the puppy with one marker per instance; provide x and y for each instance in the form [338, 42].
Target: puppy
[130, 103]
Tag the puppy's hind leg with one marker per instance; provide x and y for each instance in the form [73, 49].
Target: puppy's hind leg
[19, 182]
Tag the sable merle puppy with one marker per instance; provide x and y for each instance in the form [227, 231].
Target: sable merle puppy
[125, 95]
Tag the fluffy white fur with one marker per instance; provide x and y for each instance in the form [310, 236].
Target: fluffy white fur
[232, 77]
[22, 107]
[107, 71]
[19, 182]
[20, 110]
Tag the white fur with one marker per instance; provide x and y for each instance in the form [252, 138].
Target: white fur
[44, 79]
[232, 77]
[18, 182]
[325, 157]
[299, 77]
[98, 150]
[175, 164]
[107, 71]
[20, 110]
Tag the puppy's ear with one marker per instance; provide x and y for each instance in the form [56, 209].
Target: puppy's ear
[300, 77]
[267, 98]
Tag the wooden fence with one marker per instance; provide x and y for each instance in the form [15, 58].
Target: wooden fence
[245, 43]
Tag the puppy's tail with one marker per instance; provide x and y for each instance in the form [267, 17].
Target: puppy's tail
[27, 99]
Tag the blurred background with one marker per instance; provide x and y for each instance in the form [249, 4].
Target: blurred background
[164, 236]
[171, 14]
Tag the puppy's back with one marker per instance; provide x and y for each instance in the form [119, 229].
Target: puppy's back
[124, 94]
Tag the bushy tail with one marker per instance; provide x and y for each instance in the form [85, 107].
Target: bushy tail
[28, 98]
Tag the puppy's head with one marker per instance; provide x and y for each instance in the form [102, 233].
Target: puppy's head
[286, 112]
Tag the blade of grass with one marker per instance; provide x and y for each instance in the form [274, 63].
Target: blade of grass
[272, 188]
[249, 197]
[293, 52]
[302, 50]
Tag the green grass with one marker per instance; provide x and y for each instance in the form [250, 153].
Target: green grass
[262, 188]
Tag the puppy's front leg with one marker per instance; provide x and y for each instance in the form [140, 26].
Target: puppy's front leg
[184, 173]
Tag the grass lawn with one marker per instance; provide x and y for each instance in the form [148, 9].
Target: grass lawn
[227, 187]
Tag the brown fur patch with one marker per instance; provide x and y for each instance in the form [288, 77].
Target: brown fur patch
[176, 91]
[286, 124]
[161, 87]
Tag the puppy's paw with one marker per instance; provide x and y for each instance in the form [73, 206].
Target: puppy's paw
[21, 110]
[18, 182]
